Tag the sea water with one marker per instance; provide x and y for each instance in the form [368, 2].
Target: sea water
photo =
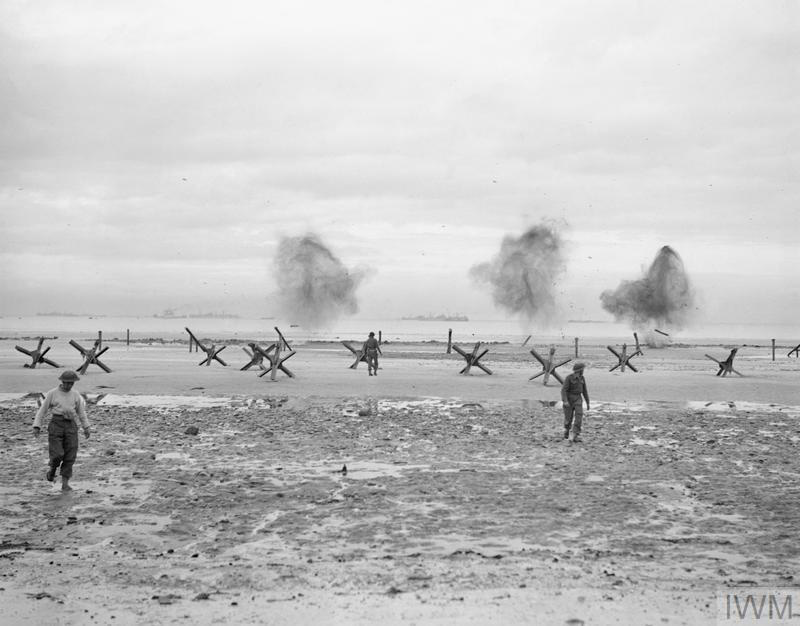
[392, 330]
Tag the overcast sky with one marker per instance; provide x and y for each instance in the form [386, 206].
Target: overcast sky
[153, 154]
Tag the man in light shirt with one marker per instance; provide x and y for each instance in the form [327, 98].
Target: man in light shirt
[67, 407]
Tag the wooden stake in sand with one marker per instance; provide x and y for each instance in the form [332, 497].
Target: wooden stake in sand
[449, 341]
[212, 352]
[473, 358]
[37, 355]
[91, 356]
[623, 359]
[548, 366]
[273, 371]
[726, 366]
[282, 340]
[359, 353]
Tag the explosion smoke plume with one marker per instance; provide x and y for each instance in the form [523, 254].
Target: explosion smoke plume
[663, 295]
[523, 274]
[314, 286]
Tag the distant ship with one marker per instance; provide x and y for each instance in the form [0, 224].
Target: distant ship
[171, 314]
[437, 318]
[59, 314]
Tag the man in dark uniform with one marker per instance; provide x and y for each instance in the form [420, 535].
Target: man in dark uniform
[573, 391]
[372, 349]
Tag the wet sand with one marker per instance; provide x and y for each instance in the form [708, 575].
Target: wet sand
[460, 504]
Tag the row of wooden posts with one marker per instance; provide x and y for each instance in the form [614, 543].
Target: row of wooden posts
[524, 343]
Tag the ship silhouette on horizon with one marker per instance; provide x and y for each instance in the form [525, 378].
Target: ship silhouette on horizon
[441, 317]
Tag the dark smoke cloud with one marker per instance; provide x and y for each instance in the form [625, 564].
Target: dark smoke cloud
[314, 286]
[663, 296]
[523, 274]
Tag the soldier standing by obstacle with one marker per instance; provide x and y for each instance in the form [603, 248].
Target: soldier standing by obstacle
[67, 406]
[371, 350]
[572, 393]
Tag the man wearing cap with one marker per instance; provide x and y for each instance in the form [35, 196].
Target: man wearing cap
[572, 393]
[67, 407]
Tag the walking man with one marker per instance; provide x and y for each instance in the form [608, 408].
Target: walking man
[68, 407]
[573, 391]
[372, 349]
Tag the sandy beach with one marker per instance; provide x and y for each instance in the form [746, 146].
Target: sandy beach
[460, 503]
[591, 178]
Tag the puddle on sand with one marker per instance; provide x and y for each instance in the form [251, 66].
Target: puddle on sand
[134, 523]
[356, 470]
[164, 401]
[174, 456]
[696, 405]
[11, 397]
[269, 545]
[656, 443]
[265, 521]
[490, 547]
[742, 406]
[114, 490]
[442, 405]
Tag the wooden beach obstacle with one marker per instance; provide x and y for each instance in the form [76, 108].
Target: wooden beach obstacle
[276, 357]
[257, 355]
[91, 356]
[361, 356]
[726, 366]
[37, 355]
[623, 358]
[211, 352]
[276, 362]
[473, 358]
[795, 351]
[548, 366]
